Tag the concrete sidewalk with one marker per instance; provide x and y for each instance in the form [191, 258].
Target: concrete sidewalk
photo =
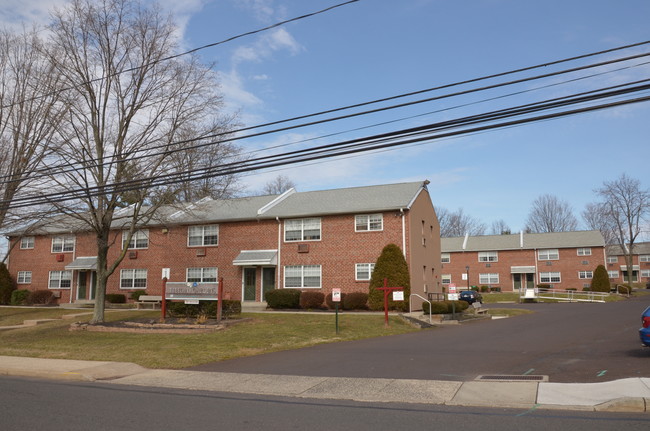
[627, 395]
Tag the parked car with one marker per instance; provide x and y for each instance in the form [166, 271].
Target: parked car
[470, 296]
[644, 332]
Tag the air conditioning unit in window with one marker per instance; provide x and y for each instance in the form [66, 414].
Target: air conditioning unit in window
[60, 257]
[56, 293]
[303, 248]
[200, 252]
[133, 255]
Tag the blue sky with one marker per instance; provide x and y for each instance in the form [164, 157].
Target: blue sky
[379, 48]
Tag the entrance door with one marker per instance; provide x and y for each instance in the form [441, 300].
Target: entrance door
[93, 284]
[530, 281]
[268, 281]
[82, 282]
[517, 280]
[250, 280]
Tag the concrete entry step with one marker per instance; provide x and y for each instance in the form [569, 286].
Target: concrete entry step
[253, 306]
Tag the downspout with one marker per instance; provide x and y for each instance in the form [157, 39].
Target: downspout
[277, 272]
[401, 210]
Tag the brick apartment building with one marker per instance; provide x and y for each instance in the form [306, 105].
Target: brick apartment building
[617, 268]
[510, 262]
[309, 240]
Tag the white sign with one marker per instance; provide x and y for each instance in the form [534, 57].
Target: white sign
[336, 295]
[165, 273]
[398, 295]
[464, 276]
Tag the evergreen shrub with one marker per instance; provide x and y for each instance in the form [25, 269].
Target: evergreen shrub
[229, 308]
[136, 294]
[600, 280]
[439, 307]
[283, 298]
[19, 297]
[392, 266]
[116, 298]
[7, 285]
[311, 300]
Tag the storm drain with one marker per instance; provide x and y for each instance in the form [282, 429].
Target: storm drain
[515, 378]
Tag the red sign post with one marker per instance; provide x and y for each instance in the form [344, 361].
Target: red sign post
[386, 290]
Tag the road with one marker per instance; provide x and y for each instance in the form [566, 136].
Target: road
[569, 343]
[54, 405]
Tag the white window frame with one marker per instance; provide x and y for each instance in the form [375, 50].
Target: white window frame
[644, 258]
[488, 278]
[63, 244]
[60, 279]
[613, 274]
[645, 273]
[369, 222]
[612, 259]
[132, 275]
[585, 275]
[302, 273]
[27, 243]
[584, 251]
[550, 277]
[548, 254]
[303, 225]
[201, 275]
[136, 240]
[203, 236]
[24, 277]
[488, 256]
[445, 257]
[361, 269]
[445, 278]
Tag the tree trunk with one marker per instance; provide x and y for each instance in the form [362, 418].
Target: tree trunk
[102, 277]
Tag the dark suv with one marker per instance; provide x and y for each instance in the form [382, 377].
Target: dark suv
[471, 296]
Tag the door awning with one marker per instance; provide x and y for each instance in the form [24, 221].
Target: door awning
[634, 267]
[522, 270]
[83, 264]
[256, 257]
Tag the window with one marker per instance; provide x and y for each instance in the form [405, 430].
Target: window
[549, 277]
[62, 244]
[445, 257]
[612, 274]
[488, 256]
[488, 278]
[585, 274]
[645, 273]
[584, 252]
[364, 223]
[302, 276]
[201, 275]
[133, 279]
[198, 236]
[24, 277]
[26, 242]
[612, 259]
[644, 258]
[307, 229]
[60, 280]
[446, 278]
[548, 254]
[140, 239]
[363, 271]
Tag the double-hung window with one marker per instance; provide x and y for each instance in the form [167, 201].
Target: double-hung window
[302, 276]
[201, 275]
[548, 254]
[550, 277]
[612, 274]
[488, 278]
[368, 222]
[488, 256]
[139, 240]
[644, 258]
[612, 259]
[305, 229]
[24, 277]
[201, 236]
[133, 279]
[363, 271]
[445, 278]
[585, 274]
[26, 242]
[62, 244]
[445, 257]
[60, 280]
[585, 251]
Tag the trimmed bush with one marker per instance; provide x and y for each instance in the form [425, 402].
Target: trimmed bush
[624, 289]
[136, 294]
[116, 298]
[283, 298]
[459, 306]
[311, 300]
[392, 266]
[355, 301]
[19, 297]
[485, 289]
[7, 285]
[600, 281]
[440, 307]
[571, 289]
[586, 289]
[229, 308]
[330, 303]
[544, 286]
[40, 297]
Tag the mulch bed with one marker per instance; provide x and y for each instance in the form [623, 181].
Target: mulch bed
[152, 326]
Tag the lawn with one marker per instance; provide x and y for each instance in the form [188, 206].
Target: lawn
[259, 333]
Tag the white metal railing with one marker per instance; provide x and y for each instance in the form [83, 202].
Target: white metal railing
[563, 295]
[411, 303]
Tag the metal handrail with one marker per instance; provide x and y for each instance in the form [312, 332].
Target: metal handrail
[565, 295]
[411, 308]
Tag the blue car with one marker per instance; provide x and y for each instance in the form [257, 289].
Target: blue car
[471, 296]
[644, 333]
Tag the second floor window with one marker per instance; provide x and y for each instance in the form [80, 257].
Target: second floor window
[445, 257]
[140, 239]
[203, 235]
[24, 277]
[488, 256]
[584, 252]
[27, 242]
[306, 229]
[548, 254]
[612, 259]
[644, 258]
[62, 244]
[369, 222]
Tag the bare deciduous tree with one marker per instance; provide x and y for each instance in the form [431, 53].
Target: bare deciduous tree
[458, 223]
[500, 227]
[550, 214]
[132, 105]
[278, 185]
[624, 207]
[595, 218]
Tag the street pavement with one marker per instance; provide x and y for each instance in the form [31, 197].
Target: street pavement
[624, 395]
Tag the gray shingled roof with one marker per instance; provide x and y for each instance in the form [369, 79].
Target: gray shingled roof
[530, 241]
[639, 248]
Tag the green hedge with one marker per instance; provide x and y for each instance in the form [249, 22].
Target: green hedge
[229, 308]
[136, 294]
[19, 297]
[283, 298]
[445, 307]
[116, 298]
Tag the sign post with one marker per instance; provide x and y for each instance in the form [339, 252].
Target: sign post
[336, 298]
[398, 297]
[163, 305]
[453, 296]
